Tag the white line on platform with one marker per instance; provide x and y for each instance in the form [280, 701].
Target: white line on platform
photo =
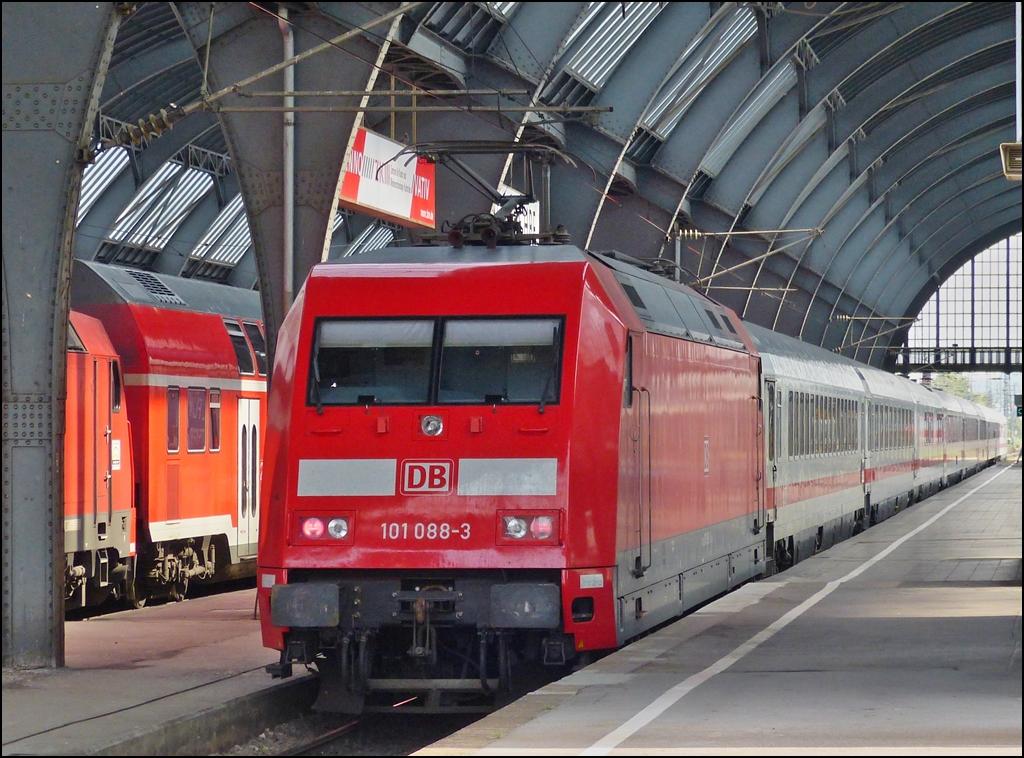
[665, 701]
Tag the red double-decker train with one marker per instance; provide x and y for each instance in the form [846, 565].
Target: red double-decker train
[478, 458]
[166, 404]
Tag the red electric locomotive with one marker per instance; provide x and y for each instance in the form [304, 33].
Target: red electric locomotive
[477, 457]
[185, 364]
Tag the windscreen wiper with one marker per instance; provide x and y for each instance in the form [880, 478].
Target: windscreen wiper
[316, 376]
[552, 372]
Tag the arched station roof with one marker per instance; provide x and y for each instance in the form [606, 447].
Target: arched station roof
[841, 158]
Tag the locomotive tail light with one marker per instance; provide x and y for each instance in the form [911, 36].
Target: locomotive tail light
[312, 528]
[542, 527]
[530, 528]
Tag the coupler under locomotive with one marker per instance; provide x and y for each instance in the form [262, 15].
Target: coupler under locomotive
[428, 643]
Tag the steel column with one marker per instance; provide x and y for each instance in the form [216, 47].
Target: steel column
[54, 62]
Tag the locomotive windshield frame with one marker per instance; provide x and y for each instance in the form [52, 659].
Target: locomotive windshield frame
[436, 360]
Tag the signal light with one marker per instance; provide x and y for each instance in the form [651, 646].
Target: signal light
[542, 527]
[330, 528]
[529, 528]
[312, 528]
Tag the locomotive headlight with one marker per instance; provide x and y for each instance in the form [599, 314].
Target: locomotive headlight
[432, 425]
[515, 527]
[338, 528]
[542, 527]
[312, 528]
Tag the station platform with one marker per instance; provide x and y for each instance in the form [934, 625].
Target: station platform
[176, 679]
[904, 640]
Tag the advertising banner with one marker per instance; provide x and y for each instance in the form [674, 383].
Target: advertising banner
[401, 191]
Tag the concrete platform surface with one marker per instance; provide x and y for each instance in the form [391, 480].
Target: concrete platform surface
[904, 640]
[176, 679]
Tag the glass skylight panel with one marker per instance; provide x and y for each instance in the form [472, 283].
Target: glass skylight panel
[98, 176]
[160, 206]
[610, 40]
[373, 237]
[232, 246]
[593, 9]
[225, 219]
[704, 62]
[502, 10]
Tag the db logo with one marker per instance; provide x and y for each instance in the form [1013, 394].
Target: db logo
[420, 477]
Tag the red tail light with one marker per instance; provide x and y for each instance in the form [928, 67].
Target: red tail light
[312, 528]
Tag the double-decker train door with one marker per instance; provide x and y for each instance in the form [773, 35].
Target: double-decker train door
[248, 476]
[101, 404]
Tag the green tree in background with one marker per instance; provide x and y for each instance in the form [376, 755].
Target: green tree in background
[960, 385]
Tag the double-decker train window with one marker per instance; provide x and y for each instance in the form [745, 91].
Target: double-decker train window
[173, 419]
[195, 435]
[372, 362]
[214, 420]
[259, 346]
[115, 387]
[485, 361]
[242, 354]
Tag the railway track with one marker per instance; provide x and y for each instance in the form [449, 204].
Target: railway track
[373, 734]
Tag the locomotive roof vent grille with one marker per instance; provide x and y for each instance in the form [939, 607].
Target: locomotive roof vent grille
[155, 287]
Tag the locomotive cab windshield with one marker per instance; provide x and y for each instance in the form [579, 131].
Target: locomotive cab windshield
[446, 361]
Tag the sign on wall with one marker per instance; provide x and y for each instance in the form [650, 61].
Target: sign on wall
[399, 190]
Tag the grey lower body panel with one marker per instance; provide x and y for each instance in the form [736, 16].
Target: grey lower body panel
[685, 571]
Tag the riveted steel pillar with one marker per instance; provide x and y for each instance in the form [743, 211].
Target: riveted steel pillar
[55, 57]
[244, 41]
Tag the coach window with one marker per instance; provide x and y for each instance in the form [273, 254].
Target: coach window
[789, 425]
[259, 346]
[818, 408]
[805, 424]
[173, 419]
[242, 354]
[379, 362]
[214, 420]
[488, 361]
[195, 431]
[794, 423]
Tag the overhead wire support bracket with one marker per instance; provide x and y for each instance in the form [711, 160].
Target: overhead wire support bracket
[156, 124]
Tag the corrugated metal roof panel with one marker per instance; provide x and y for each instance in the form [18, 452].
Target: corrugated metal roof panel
[767, 94]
